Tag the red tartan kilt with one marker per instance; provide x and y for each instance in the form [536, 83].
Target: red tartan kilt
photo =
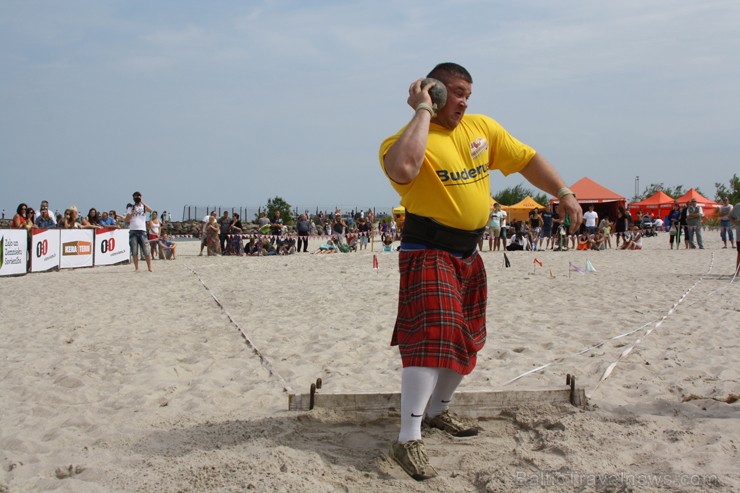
[441, 320]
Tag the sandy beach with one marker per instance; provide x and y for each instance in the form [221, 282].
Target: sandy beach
[178, 380]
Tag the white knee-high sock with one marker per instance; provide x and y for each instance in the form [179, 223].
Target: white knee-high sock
[417, 385]
[447, 383]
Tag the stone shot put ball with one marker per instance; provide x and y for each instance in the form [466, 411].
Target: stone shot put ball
[438, 92]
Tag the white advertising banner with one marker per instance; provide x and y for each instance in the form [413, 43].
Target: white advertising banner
[44, 249]
[13, 245]
[76, 249]
[111, 246]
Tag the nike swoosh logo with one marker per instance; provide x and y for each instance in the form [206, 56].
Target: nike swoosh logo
[416, 415]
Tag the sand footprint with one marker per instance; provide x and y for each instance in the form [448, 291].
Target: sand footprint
[68, 472]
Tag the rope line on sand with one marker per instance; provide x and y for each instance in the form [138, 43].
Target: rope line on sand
[263, 359]
[629, 349]
[597, 345]
[732, 280]
[590, 348]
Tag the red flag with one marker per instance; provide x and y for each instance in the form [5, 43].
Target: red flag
[375, 262]
[538, 262]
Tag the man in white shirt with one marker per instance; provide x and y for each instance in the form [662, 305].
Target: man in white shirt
[137, 236]
[592, 219]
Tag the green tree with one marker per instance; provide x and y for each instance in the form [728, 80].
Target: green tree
[512, 195]
[278, 204]
[732, 192]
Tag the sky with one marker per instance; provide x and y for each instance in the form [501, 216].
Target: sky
[233, 103]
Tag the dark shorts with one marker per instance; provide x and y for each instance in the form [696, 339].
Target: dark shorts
[441, 320]
[546, 231]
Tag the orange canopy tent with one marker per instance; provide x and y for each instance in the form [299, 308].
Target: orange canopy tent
[605, 201]
[709, 207]
[660, 204]
[520, 211]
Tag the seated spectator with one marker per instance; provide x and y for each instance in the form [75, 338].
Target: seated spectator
[30, 219]
[107, 220]
[19, 219]
[328, 247]
[598, 241]
[91, 221]
[69, 221]
[387, 242]
[285, 246]
[633, 241]
[45, 220]
[251, 248]
[267, 247]
[113, 215]
[584, 241]
[518, 242]
[167, 248]
[352, 242]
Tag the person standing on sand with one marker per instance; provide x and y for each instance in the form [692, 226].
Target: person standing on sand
[137, 236]
[439, 164]
[725, 224]
[734, 216]
[694, 216]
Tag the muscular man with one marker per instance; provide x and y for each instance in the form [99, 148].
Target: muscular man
[439, 164]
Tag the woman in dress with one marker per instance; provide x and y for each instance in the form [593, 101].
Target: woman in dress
[213, 245]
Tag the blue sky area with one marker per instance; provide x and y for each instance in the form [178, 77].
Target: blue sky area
[233, 103]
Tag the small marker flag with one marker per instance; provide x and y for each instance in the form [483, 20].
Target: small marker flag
[375, 262]
[576, 268]
[506, 261]
[590, 267]
[538, 262]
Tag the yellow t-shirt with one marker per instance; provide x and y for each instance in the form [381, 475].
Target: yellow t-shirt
[453, 185]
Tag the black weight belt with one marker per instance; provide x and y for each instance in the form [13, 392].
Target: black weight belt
[432, 234]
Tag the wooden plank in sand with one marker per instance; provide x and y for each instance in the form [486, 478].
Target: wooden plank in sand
[471, 404]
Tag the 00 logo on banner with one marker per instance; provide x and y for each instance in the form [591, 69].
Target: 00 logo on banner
[42, 248]
[108, 245]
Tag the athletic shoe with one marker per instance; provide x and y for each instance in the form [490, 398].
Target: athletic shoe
[450, 424]
[413, 459]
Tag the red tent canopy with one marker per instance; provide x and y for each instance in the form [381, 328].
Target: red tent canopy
[660, 204]
[588, 192]
[708, 206]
